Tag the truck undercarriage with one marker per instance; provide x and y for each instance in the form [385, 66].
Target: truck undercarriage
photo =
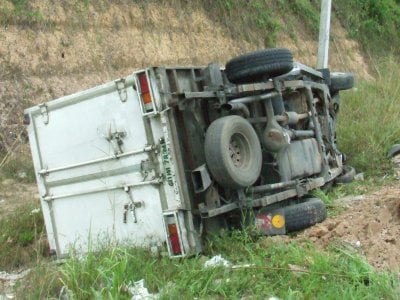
[262, 141]
[169, 154]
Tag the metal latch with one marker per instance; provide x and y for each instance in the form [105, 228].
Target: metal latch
[115, 138]
[120, 83]
[44, 112]
[131, 206]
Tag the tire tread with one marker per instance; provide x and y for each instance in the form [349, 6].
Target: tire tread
[305, 214]
[259, 65]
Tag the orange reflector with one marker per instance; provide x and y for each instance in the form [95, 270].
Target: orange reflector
[172, 229]
[174, 239]
[146, 98]
[145, 91]
[278, 221]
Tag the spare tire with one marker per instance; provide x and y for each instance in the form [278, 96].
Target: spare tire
[260, 65]
[303, 215]
[233, 152]
[341, 81]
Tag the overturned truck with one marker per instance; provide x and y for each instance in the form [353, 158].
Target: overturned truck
[168, 154]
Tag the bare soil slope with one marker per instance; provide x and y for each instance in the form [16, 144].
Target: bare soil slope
[80, 46]
[371, 225]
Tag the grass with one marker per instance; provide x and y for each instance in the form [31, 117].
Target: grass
[305, 11]
[275, 262]
[18, 167]
[374, 23]
[20, 12]
[22, 237]
[369, 122]
[273, 271]
[42, 281]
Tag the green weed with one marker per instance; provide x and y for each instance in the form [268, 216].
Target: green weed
[18, 167]
[42, 282]
[328, 197]
[270, 267]
[21, 237]
[369, 120]
[374, 23]
[324, 196]
[306, 11]
[20, 12]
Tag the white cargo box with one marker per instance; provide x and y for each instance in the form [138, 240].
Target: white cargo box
[106, 170]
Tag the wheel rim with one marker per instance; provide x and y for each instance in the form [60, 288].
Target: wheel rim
[239, 150]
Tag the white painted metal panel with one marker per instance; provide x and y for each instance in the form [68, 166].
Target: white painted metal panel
[91, 155]
[96, 219]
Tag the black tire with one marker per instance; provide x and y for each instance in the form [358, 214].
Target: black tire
[341, 81]
[233, 152]
[258, 66]
[395, 150]
[303, 215]
[347, 175]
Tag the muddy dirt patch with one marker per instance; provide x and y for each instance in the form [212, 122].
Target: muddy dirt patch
[371, 225]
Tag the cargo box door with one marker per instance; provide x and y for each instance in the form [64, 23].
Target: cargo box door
[98, 181]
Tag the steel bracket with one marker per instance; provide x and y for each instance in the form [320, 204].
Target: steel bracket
[44, 112]
[120, 83]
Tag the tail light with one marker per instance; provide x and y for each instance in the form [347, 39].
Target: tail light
[174, 239]
[173, 234]
[145, 92]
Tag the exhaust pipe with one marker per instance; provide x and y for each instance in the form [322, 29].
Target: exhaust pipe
[237, 107]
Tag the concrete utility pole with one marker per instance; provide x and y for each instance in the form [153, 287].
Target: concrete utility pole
[324, 28]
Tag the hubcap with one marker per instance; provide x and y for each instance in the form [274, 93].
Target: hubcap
[237, 150]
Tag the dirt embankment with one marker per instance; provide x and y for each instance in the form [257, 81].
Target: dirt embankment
[371, 225]
[82, 46]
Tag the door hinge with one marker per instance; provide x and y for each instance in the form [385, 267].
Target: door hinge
[120, 83]
[44, 112]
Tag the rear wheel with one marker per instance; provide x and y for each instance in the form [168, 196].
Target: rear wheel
[303, 215]
[259, 66]
[233, 152]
